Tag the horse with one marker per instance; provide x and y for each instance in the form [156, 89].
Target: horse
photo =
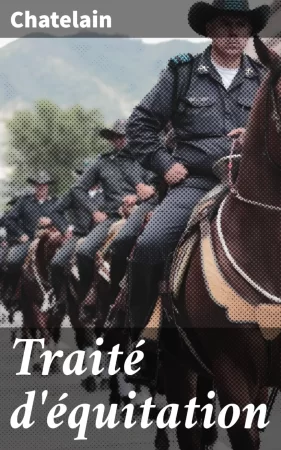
[42, 313]
[230, 306]
[88, 315]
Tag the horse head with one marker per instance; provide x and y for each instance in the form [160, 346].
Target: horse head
[261, 159]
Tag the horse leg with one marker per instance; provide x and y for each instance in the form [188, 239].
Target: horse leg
[205, 385]
[234, 387]
[180, 388]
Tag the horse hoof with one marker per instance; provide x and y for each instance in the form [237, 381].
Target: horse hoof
[89, 384]
[161, 440]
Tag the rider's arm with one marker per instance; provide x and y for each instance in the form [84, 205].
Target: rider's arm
[13, 220]
[61, 207]
[88, 179]
[146, 122]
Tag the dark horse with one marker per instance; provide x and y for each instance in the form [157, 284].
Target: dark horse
[42, 313]
[233, 285]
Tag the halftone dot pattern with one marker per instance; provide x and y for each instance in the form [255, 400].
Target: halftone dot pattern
[202, 111]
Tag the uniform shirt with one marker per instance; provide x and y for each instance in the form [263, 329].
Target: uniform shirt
[227, 75]
[24, 216]
[202, 112]
[118, 175]
[74, 210]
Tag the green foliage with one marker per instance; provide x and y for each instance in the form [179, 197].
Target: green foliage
[54, 139]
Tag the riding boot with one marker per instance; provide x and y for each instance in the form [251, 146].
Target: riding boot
[148, 367]
[143, 285]
[117, 273]
[85, 266]
[143, 294]
[57, 275]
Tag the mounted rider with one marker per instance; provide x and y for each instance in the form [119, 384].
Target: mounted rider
[126, 238]
[8, 234]
[208, 99]
[122, 180]
[29, 213]
[73, 218]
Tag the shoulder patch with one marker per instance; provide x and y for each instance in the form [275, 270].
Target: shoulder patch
[182, 58]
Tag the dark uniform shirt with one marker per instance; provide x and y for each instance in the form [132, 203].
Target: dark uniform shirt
[118, 175]
[76, 208]
[191, 94]
[24, 216]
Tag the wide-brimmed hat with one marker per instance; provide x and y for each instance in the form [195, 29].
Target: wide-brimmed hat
[42, 177]
[118, 129]
[201, 13]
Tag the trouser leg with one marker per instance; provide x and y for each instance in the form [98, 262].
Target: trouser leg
[154, 246]
[87, 252]
[124, 242]
[59, 263]
[16, 257]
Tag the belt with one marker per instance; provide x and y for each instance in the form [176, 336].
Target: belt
[204, 173]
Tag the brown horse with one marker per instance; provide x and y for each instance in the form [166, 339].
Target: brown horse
[233, 286]
[42, 313]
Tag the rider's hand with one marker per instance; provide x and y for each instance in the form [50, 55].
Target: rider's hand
[45, 222]
[144, 191]
[99, 216]
[130, 200]
[237, 132]
[239, 135]
[68, 234]
[24, 238]
[176, 174]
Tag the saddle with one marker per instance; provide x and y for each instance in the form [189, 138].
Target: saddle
[238, 310]
[207, 207]
[198, 232]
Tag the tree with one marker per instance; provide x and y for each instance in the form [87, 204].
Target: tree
[54, 139]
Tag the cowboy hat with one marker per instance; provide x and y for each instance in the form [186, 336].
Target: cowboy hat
[42, 177]
[118, 129]
[201, 13]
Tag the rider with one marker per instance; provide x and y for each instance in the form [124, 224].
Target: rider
[121, 179]
[29, 213]
[81, 207]
[10, 235]
[208, 99]
[126, 238]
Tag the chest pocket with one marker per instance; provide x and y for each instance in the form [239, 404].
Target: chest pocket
[245, 104]
[199, 114]
[245, 101]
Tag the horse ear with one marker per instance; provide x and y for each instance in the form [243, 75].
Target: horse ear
[268, 57]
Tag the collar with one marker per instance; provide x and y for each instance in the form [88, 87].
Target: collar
[41, 201]
[113, 153]
[206, 67]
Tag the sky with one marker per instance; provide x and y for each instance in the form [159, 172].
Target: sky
[5, 41]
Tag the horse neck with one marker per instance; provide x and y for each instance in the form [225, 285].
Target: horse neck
[253, 231]
[41, 258]
[258, 181]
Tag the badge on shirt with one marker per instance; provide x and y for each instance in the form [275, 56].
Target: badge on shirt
[249, 72]
[203, 69]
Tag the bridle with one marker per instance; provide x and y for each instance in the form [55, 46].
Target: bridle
[276, 117]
